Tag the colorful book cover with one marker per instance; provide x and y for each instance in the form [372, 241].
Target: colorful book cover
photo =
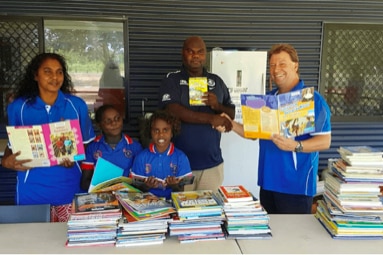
[235, 193]
[363, 150]
[144, 201]
[194, 199]
[91, 202]
[104, 171]
[197, 87]
[47, 144]
[118, 183]
[289, 114]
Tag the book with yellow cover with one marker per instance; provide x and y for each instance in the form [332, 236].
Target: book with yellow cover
[290, 114]
[197, 87]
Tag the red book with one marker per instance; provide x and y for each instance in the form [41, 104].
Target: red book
[235, 193]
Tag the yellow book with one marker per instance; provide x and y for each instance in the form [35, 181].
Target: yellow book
[197, 87]
[290, 114]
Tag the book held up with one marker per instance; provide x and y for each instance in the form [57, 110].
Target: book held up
[197, 87]
[47, 144]
[289, 114]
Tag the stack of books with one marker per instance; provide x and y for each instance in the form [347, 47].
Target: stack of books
[145, 219]
[199, 216]
[352, 207]
[359, 163]
[94, 220]
[245, 216]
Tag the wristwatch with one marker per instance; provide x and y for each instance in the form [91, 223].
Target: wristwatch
[299, 147]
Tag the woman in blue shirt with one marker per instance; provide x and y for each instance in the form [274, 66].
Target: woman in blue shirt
[44, 96]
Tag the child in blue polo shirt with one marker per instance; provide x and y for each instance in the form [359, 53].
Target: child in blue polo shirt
[161, 166]
[112, 145]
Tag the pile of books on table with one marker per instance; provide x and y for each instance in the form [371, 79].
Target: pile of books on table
[145, 219]
[352, 207]
[94, 220]
[199, 216]
[245, 216]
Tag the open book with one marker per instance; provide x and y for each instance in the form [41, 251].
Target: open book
[47, 144]
[138, 180]
[106, 173]
[290, 114]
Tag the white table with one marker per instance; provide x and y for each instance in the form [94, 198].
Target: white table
[303, 234]
[39, 238]
[292, 234]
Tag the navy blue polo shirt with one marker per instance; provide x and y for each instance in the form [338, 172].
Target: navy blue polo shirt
[200, 142]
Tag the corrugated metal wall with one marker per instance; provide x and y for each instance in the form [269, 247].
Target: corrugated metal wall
[158, 28]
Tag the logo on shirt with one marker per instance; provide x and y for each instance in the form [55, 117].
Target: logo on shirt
[148, 168]
[211, 84]
[173, 168]
[184, 83]
[166, 97]
[97, 154]
[127, 153]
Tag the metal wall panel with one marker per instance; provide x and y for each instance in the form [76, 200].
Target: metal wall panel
[158, 28]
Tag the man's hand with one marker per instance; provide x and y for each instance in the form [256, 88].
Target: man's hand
[283, 143]
[222, 123]
[210, 99]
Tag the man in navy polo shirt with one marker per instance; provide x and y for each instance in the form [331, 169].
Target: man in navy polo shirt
[199, 138]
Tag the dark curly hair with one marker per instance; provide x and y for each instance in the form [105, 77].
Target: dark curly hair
[29, 88]
[166, 116]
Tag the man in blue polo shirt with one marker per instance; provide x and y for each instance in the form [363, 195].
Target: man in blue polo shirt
[198, 139]
[288, 167]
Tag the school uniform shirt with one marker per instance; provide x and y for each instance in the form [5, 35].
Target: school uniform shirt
[200, 142]
[54, 185]
[288, 171]
[172, 162]
[122, 155]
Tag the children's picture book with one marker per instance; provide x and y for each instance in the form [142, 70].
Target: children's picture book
[234, 193]
[104, 171]
[197, 87]
[363, 150]
[138, 180]
[289, 114]
[144, 201]
[91, 202]
[194, 199]
[47, 144]
[118, 183]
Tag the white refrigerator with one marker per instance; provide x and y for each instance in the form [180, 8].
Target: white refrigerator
[243, 72]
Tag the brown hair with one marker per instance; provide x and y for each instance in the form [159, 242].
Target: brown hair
[284, 47]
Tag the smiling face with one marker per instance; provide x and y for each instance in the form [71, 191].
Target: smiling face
[49, 77]
[283, 71]
[161, 133]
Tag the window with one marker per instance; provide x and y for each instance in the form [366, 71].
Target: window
[94, 51]
[352, 71]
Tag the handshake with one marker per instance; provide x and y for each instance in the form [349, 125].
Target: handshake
[222, 123]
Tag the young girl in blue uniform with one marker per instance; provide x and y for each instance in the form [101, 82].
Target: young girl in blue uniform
[161, 165]
[43, 96]
[112, 145]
